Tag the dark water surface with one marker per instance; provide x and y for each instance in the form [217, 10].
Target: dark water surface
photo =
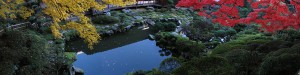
[142, 55]
[118, 54]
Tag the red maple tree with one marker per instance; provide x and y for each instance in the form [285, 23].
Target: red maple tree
[272, 15]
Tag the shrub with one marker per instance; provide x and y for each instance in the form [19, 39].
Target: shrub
[7, 68]
[245, 62]
[282, 62]
[205, 66]
[103, 19]
[231, 32]
[139, 72]
[223, 48]
[178, 45]
[70, 34]
[220, 33]
[239, 27]
[289, 35]
[172, 2]
[223, 33]
[199, 30]
[273, 45]
[151, 72]
[27, 50]
[157, 72]
[164, 26]
[244, 41]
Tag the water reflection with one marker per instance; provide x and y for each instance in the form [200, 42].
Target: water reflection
[118, 54]
[108, 43]
[142, 55]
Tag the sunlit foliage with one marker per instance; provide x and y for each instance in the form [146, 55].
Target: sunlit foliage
[11, 8]
[62, 12]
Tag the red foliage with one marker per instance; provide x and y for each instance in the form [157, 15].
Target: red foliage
[272, 15]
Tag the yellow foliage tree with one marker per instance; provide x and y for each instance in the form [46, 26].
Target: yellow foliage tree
[61, 10]
[11, 8]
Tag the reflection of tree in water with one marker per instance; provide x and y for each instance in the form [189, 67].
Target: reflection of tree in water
[111, 42]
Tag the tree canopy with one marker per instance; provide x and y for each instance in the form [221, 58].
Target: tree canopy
[11, 8]
[60, 11]
[272, 15]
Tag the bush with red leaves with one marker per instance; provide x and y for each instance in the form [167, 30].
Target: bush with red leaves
[272, 15]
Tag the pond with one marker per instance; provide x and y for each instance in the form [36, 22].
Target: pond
[118, 54]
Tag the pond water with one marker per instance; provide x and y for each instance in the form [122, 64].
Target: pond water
[118, 54]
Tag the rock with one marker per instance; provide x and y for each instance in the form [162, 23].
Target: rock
[140, 27]
[126, 10]
[116, 25]
[138, 17]
[43, 5]
[150, 22]
[182, 8]
[51, 42]
[101, 32]
[106, 26]
[173, 10]
[151, 37]
[191, 9]
[178, 29]
[108, 13]
[183, 35]
[114, 28]
[95, 12]
[128, 27]
[110, 32]
[73, 18]
[150, 8]
[179, 22]
[174, 33]
[106, 10]
[78, 71]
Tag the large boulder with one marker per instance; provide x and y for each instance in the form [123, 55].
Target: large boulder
[109, 32]
[179, 22]
[128, 27]
[108, 14]
[150, 22]
[77, 71]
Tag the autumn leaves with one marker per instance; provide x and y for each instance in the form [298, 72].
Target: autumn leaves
[60, 11]
[272, 15]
